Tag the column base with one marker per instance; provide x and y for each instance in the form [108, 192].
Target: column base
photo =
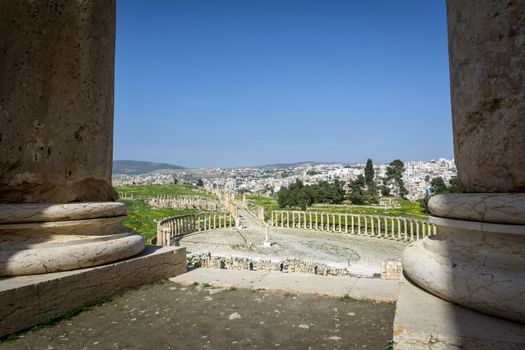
[43, 237]
[424, 322]
[474, 264]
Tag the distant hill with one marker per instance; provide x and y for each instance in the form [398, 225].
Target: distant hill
[136, 167]
[286, 165]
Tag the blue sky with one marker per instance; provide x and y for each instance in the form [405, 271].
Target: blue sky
[233, 83]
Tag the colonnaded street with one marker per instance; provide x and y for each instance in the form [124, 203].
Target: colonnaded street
[361, 255]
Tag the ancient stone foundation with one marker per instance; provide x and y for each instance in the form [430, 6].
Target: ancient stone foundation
[390, 269]
[56, 133]
[61, 231]
[477, 258]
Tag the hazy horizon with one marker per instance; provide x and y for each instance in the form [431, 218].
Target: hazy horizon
[276, 163]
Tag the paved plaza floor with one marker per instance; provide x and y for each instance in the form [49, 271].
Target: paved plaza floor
[173, 316]
[363, 255]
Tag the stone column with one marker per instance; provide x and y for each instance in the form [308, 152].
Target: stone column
[477, 258]
[57, 209]
[305, 221]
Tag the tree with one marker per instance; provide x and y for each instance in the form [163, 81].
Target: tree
[437, 185]
[298, 194]
[453, 185]
[357, 195]
[394, 175]
[200, 183]
[369, 173]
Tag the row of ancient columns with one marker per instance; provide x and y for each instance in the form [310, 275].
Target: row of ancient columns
[397, 228]
[184, 224]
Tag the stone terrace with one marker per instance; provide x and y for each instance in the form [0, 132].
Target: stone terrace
[172, 316]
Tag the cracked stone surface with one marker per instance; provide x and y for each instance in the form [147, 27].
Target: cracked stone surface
[56, 101]
[505, 208]
[486, 83]
[171, 316]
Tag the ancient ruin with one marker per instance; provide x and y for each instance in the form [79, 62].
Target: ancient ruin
[57, 205]
[388, 227]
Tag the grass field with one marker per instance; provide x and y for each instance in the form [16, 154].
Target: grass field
[141, 216]
[148, 191]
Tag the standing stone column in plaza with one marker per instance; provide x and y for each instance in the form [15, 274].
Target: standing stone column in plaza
[477, 257]
[57, 209]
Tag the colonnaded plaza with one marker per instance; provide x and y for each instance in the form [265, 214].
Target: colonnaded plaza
[233, 275]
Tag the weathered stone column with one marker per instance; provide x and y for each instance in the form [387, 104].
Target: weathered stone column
[477, 257]
[57, 209]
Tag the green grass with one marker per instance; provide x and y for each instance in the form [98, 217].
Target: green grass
[407, 208]
[141, 216]
[268, 203]
[148, 191]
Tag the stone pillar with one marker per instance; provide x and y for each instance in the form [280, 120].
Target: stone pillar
[477, 258]
[305, 221]
[57, 209]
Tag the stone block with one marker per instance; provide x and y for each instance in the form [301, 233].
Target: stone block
[33, 299]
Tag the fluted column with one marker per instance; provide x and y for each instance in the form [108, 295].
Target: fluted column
[477, 258]
[57, 209]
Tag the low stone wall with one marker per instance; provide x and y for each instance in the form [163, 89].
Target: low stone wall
[170, 228]
[287, 266]
[387, 227]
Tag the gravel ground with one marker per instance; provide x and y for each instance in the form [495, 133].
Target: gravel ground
[171, 316]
